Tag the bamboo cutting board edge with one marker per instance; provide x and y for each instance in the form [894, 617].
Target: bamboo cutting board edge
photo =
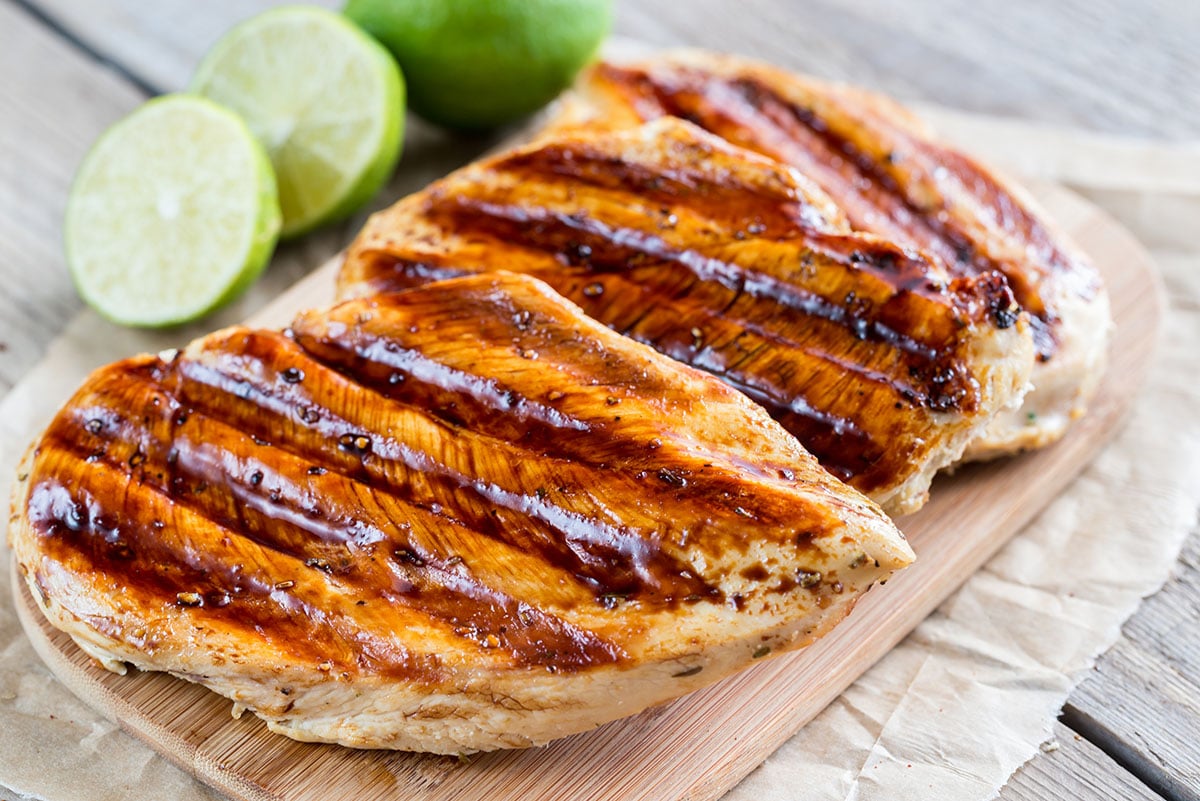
[696, 747]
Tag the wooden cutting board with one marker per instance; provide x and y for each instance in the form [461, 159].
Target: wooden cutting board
[698, 746]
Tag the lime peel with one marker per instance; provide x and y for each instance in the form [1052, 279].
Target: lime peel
[477, 64]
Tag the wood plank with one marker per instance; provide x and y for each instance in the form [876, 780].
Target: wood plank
[158, 43]
[1130, 67]
[996, 58]
[1069, 766]
[53, 103]
[1141, 704]
[700, 745]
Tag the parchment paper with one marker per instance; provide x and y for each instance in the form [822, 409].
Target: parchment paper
[962, 702]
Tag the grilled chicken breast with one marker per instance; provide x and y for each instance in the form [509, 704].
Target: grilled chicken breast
[462, 517]
[895, 179]
[883, 367]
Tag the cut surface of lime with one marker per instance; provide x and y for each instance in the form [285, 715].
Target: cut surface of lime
[476, 64]
[325, 99]
[172, 213]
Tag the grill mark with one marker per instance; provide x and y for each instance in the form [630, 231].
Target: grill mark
[774, 211]
[234, 503]
[589, 374]
[406, 374]
[614, 250]
[483, 407]
[862, 177]
[235, 599]
[581, 379]
[628, 328]
[625, 249]
[929, 376]
[868, 458]
[470, 205]
[783, 398]
[152, 449]
[495, 413]
[619, 559]
[927, 227]
[750, 113]
[188, 484]
[588, 365]
[390, 273]
[1007, 215]
[668, 331]
[609, 558]
[578, 360]
[836, 440]
[847, 452]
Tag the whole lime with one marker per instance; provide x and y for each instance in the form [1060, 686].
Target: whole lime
[476, 64]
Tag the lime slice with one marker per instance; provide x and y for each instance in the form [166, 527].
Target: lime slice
[476, 64]
[325, 99]
[172, 213]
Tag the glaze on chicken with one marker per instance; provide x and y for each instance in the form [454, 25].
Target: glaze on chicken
[893, 178]
[882, 366]
[462, 517]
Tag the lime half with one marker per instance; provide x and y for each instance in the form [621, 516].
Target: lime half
[325, 99]
[172, 213]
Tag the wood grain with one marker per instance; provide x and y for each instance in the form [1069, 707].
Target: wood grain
[698, 746]
[1142, 703]
[1085, 63]
[1127, 66]
[1069, 766]
[43, 135]
[158, 44]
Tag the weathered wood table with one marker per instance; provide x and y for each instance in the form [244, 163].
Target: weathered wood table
[68, 68]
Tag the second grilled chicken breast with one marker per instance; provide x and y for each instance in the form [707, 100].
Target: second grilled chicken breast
[883, 367]
[462, 517]
[893, 178]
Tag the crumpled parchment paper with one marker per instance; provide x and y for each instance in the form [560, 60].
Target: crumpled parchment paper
[958, 706]
[969, 696]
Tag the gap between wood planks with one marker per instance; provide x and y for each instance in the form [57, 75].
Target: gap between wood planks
[1141, 705]
[33, 10]
[1071, 767]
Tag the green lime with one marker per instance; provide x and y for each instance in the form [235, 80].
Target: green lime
[476, 64]
[172, 213]
[325, 99]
